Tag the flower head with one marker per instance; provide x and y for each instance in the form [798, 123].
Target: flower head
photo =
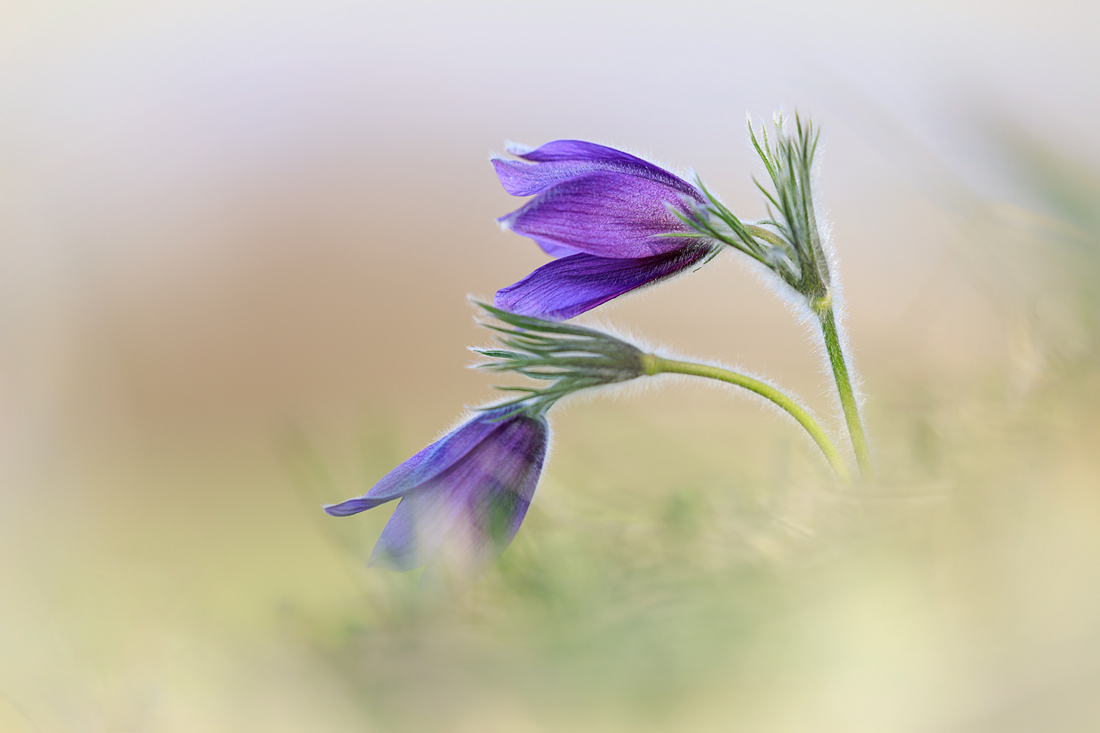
[615, 221]
[463, 497]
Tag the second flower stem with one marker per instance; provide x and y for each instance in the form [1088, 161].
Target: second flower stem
[847, 395]
[659, 365]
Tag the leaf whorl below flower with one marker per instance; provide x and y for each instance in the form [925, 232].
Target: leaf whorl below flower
[570, 357]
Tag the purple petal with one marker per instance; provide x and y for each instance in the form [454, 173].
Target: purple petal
[526, 179]
[572, 285]
[604, 214]
[397, 548]
[473, 510]
[422, 467]
[554, 249]
[601, 157]
[352, 506]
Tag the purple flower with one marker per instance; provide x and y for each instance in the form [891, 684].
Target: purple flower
[463, 497]
[607, 215]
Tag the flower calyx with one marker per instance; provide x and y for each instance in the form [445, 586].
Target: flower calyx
[568, 357]
[788, 241]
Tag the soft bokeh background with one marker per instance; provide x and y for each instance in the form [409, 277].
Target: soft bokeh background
[235, 244]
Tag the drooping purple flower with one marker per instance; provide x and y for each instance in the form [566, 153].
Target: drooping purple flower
[613, 220]
[462, 498]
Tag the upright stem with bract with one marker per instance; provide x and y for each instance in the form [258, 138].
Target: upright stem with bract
[790, 244]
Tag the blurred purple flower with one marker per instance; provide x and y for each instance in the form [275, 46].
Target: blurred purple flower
[606, 214]
[463, 497]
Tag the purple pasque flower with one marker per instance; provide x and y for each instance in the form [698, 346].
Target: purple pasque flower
[614, 221]
[463, 497]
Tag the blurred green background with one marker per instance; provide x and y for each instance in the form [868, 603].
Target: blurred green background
[235, 244]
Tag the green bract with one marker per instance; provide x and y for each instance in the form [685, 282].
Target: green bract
[570, 357]
[788, 242]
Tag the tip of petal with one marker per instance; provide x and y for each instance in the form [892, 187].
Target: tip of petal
[349, 507]
[517, 148]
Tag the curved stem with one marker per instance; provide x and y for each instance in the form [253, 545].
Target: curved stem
[847, 394]
[658, 365]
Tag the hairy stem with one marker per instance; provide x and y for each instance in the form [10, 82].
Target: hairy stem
[658, 365]
[847, 394]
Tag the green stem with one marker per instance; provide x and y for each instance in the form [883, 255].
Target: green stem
[847, 394]
[658, 365]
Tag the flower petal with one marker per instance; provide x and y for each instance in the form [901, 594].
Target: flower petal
[397, 548]
[472, 511]
[604, 214]
[601, 157]
[424, 466]
[572, 285]
[526, 179]
[554, 249]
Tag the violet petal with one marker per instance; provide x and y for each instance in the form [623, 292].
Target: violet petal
[422, 467]
[603, 157]
[572, 285]
[527, 179]
[554, 249]
[604, 214]
[473, 510]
